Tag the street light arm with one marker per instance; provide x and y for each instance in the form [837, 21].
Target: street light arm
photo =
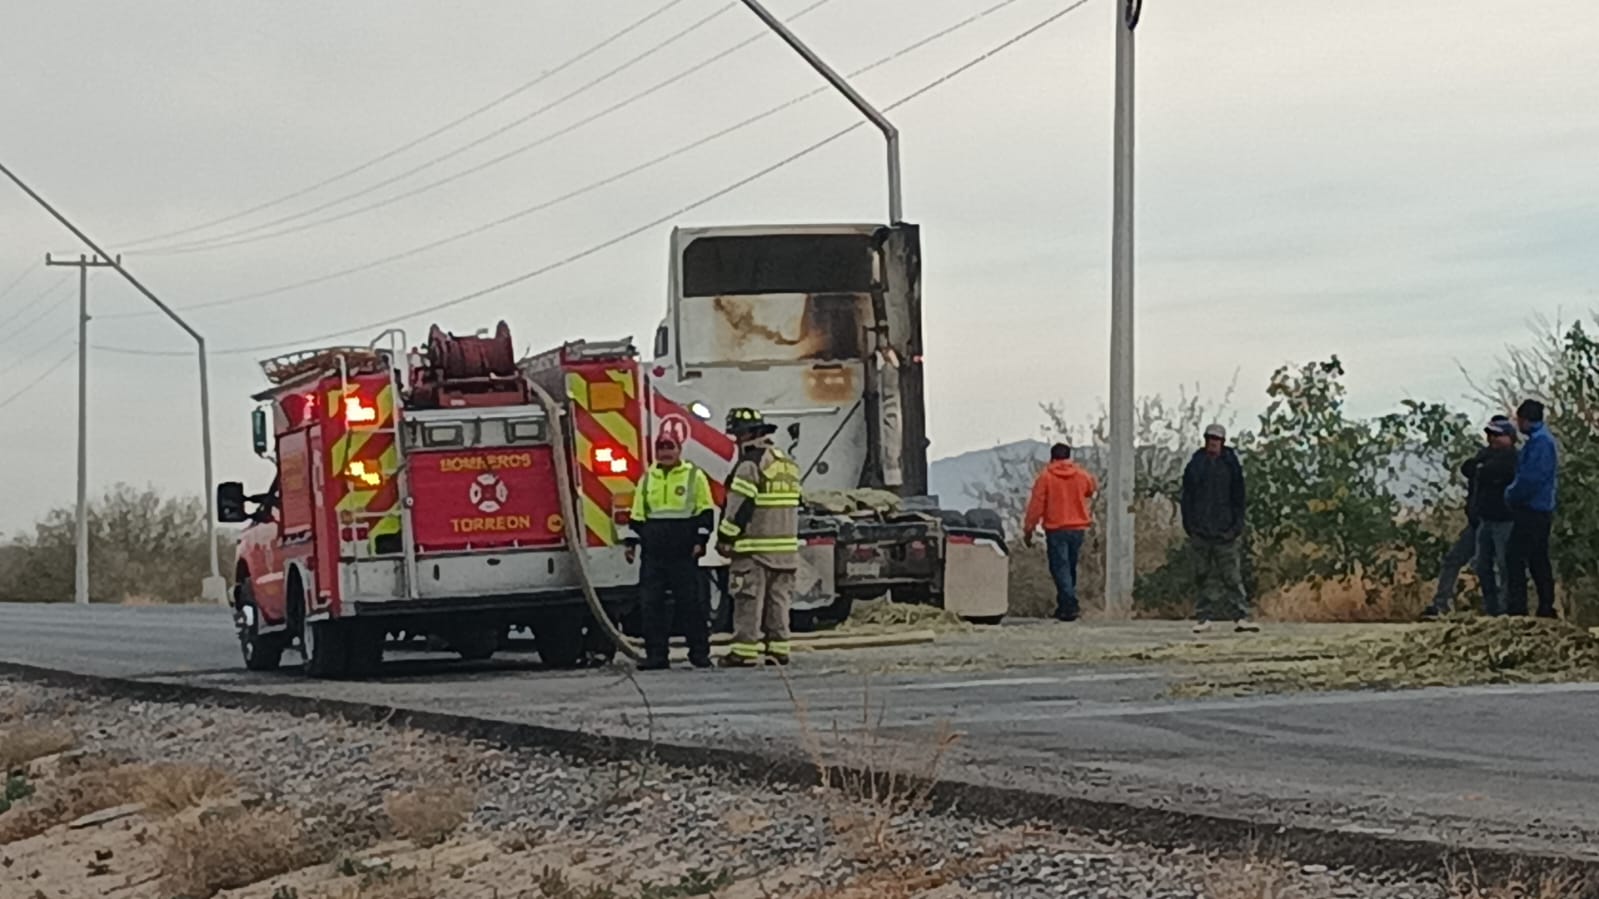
[115, 262]
[872, 113]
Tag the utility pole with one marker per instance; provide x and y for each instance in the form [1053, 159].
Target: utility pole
[214, 588]
[83, 264]
[896, 209]
[1121, 526]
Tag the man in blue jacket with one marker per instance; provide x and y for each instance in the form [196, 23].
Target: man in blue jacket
[1531, 497]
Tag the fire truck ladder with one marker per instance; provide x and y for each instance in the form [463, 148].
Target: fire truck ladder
[401, 484]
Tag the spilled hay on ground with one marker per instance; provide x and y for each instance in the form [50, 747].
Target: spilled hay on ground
[1452, 652]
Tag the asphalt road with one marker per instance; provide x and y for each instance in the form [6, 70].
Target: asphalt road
[1500, 766]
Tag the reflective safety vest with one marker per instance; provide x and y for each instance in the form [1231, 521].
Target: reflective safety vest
[672, 500]
[762, 515]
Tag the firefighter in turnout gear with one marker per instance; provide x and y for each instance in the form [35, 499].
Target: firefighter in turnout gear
[759, 535]
[672, 519]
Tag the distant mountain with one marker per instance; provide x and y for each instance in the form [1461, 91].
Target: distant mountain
[952, 479]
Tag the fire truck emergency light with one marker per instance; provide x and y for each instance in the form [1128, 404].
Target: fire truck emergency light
[608, 461]
[357, 412]
[356, 471]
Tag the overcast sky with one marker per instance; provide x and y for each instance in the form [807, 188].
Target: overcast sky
[1403, 184]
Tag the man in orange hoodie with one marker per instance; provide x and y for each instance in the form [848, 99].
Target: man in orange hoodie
[1060, 502]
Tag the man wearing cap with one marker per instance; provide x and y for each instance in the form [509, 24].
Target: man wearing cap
[671, 519]
[1213, 516]
[759, 535]
[1495, 470]
[1531, 497]
[1467, 547]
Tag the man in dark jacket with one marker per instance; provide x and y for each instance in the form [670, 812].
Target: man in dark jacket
[1464, 550]
[1213, 517]
[1495, 469]
[1531, 497]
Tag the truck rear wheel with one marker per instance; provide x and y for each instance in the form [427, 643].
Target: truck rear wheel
[476, 644]
[559, 638]
[325, 646]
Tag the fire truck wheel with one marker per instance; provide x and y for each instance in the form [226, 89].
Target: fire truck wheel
[837, 613]
[262, 652]
[326, 648]
[559, 637]
[366, 649]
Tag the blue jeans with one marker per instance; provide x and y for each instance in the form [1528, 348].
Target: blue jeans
[1064, 548]
[1493, 542]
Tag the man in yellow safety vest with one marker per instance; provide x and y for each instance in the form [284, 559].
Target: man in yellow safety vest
[671, 519]
[759, 536]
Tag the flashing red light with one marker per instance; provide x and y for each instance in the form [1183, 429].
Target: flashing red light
[357, 412]
[609, 461]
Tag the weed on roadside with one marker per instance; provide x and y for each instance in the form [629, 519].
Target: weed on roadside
[427, 816]
[21, 745]
[223, 849]
[553, 883]
[168, 789]
[694, 883]
[1466, 883]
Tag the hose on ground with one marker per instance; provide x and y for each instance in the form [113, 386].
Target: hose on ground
[574, 532]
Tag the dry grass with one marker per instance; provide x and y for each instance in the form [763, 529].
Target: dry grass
[428, 816]
[878, 779]
[1466, 884]
[225, 849]
[166, 790]
[1346, 600]
[21, 745]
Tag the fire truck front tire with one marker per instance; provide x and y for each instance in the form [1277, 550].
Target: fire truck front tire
[262, 652]
[325, 645]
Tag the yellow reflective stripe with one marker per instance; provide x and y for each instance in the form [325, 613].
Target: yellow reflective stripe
[780, 500]
[767, 545]
[729, 529]
[745, 650]
[744, 488]
[777, 647]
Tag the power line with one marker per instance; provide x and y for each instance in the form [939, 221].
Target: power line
[244, 235]
[7, 332]
[593, 185]
[38, 348]
[418, 141]
[39, 380]
[21, 277]
[640, 229]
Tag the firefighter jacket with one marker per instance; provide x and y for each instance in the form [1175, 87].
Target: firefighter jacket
[761, 521]
[672, 510]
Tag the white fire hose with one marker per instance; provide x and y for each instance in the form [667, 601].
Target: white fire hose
[574, 531]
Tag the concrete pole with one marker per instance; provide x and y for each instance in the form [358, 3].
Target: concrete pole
[81, 580]
[896, 208]
[1120, 526]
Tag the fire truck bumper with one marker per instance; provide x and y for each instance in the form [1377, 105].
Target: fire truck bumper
[483, 581]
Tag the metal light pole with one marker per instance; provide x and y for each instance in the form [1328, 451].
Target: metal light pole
[896, 210]
[1121, 526]
[214, 588]
[83, 264]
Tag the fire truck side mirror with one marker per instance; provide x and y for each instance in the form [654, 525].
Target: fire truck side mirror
[230, 503]
[258, 430]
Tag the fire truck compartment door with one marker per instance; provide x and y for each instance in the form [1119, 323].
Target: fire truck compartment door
[488, 499]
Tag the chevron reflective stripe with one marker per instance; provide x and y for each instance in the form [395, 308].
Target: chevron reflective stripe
[606, 421]
[777, 647]
[745, 650]
[363, 459]
[729, 529]
[744, 488]
[767, 545]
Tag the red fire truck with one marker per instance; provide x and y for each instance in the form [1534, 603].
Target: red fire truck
[424, 492]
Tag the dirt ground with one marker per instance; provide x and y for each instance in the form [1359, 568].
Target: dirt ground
[168, 801]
